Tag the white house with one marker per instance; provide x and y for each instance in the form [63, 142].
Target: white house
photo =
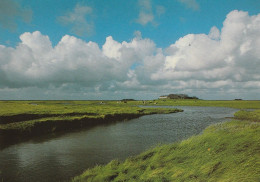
[163, 97]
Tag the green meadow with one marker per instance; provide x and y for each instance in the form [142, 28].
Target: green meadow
[227, 151]
[239, 104]
[39, 117]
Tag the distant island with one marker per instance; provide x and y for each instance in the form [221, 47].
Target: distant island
[177, 96]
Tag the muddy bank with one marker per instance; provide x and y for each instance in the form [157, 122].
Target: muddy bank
[49, 126]
[21, 127]
[12, 136]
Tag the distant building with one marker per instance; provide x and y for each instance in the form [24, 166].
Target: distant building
[177, 96]
[163, 97]
[127, 100]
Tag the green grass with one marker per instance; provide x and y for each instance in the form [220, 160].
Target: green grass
[23, 117]
[248, 115]
[8, 108]
[64, 107]
[239, 104]
[226, 151]
[59, 111]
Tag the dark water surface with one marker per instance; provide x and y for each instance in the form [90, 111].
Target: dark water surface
[62, 157]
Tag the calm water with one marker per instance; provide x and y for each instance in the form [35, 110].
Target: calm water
[59, 158]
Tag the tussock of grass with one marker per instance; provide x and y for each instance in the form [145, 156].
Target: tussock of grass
[248, 115]
[224, 152]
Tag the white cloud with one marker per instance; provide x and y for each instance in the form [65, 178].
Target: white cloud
[79, 20]
[193, 4]
[111, 48]
[34, 62]
[146, 14]
[219, 60]
[205, 65]
[10, 12]
[214, 33]
[145, 18]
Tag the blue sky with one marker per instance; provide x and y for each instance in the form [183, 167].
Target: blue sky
[118, 19]
[135, 46]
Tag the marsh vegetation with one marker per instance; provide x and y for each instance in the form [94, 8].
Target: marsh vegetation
[30, 118]
[226, 151]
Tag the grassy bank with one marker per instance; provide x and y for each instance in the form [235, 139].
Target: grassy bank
[248, 115]
[224, 152]
[30, 118]
[238, 104]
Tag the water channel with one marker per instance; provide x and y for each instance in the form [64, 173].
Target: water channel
[61, 157]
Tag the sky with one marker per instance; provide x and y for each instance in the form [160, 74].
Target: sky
[138, 49]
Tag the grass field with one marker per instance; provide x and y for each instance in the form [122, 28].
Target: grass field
[226, 151]
[239, 104]
[39, 117]
[8, 108]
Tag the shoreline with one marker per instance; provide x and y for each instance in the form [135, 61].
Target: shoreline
[15, 134]
[223, 152]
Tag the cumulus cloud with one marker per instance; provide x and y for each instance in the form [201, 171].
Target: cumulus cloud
[35, 62]
[146, 14]
[11, 12]
[192, 4]
[214, 33]
[223, 60]
[79, 20]
[221, 64]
